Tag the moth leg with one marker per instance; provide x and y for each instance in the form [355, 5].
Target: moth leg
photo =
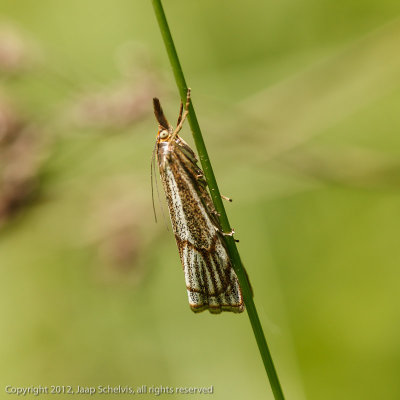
[187, 99]
[226, 198]
[231, 233]
[182, 117]
[180, 114]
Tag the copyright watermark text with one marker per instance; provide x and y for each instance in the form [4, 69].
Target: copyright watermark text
[106, 389]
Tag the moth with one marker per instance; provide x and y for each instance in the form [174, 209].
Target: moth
[211, 282]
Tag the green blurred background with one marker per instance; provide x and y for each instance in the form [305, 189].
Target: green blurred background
[299, 107]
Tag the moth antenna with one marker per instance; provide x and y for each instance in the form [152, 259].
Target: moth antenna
[151, 180]
[154, 178]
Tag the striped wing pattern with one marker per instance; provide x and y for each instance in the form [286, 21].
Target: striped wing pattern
[210, 279]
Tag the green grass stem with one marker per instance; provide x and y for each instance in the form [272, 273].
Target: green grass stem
[216, 197]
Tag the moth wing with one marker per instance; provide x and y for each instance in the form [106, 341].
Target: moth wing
[210, 279]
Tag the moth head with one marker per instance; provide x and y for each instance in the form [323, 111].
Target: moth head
[164, 128]
[163, 134]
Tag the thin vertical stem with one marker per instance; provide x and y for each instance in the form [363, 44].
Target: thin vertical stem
[219, 206]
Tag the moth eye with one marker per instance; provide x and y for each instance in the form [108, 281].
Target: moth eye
[164, 134]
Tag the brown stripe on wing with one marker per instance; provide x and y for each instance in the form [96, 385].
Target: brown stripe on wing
[181, 162]
[209, 259]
